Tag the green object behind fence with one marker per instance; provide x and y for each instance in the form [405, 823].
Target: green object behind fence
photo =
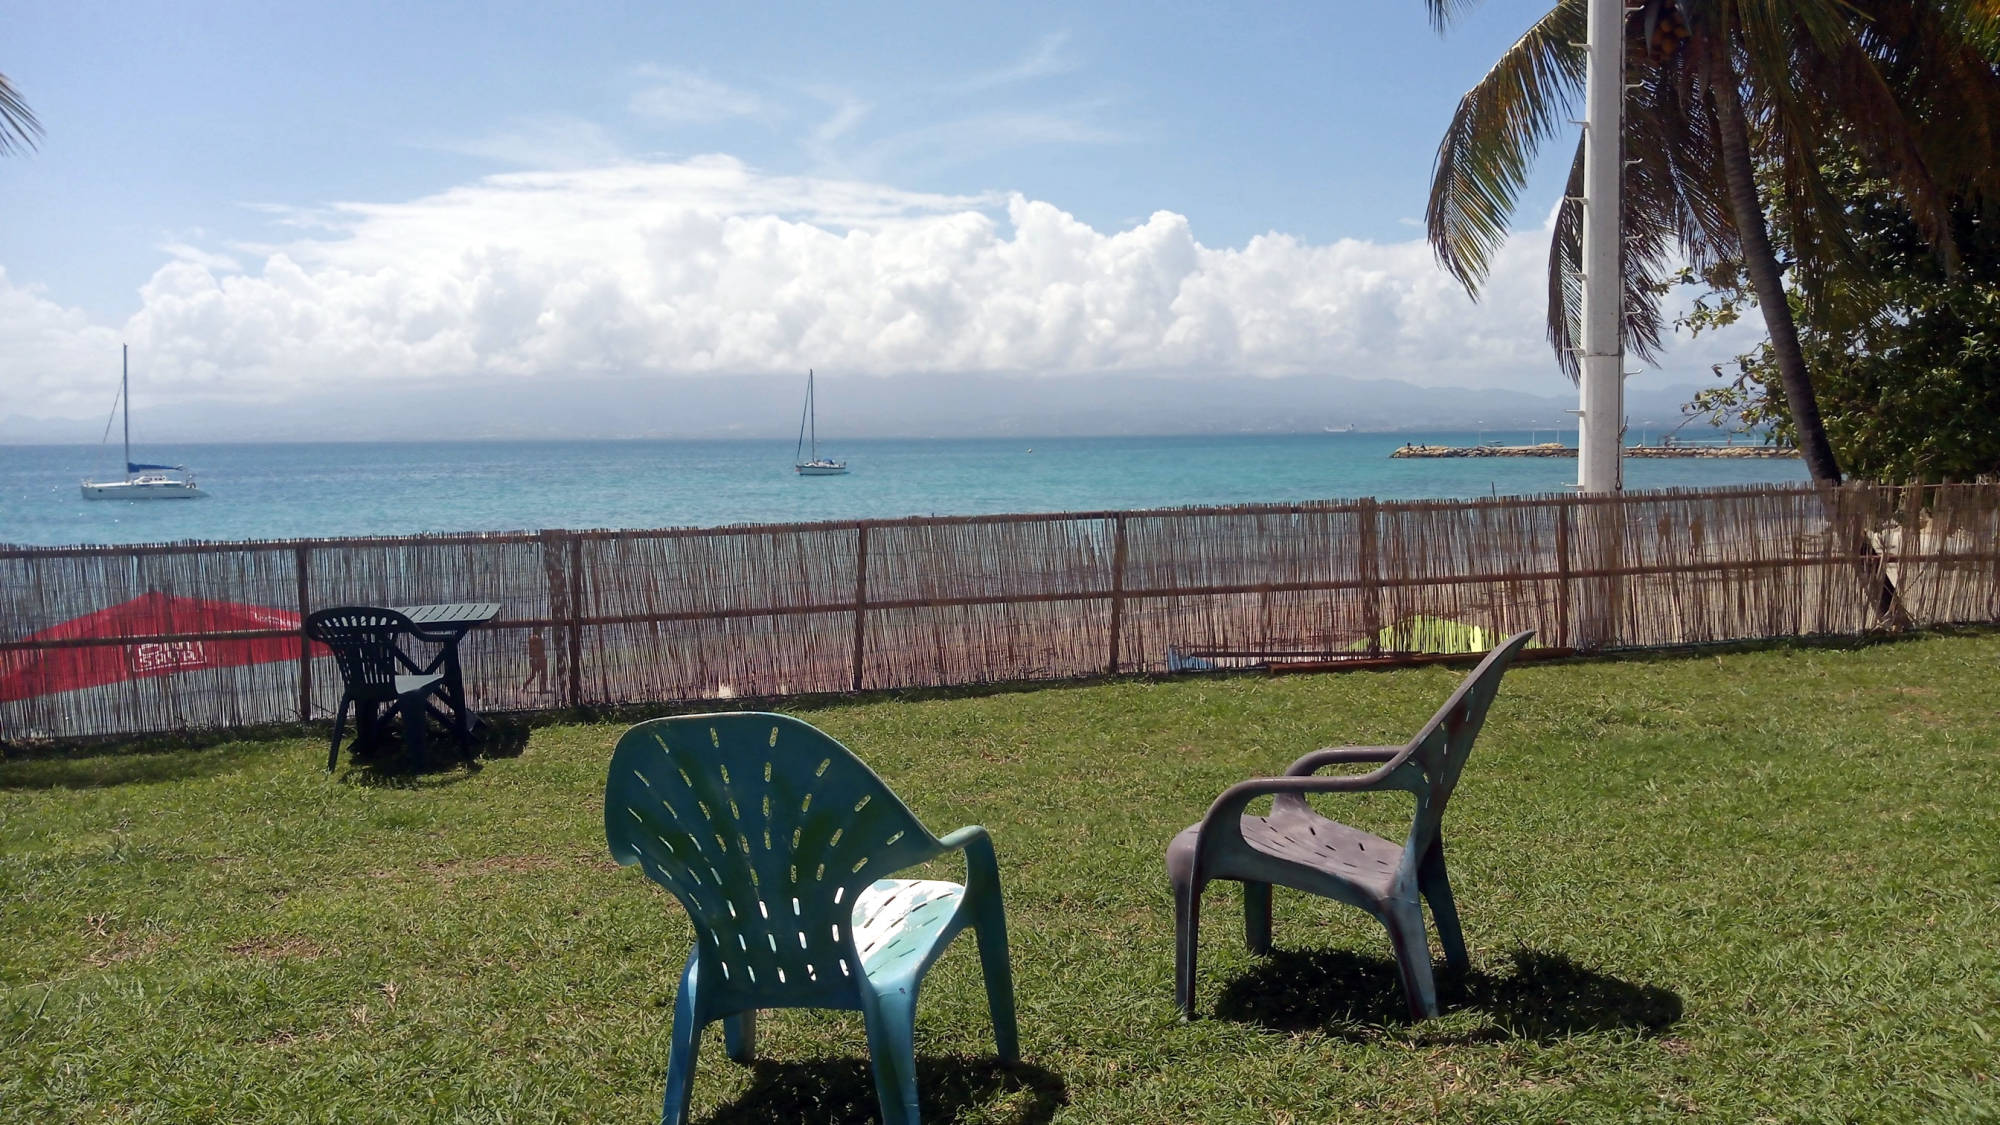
[1423, 633]
[778, 841]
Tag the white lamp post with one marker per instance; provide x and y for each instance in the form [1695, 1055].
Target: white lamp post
[1602, 358]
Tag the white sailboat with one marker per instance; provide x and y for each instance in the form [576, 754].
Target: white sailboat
[806, 459]
[142, 481]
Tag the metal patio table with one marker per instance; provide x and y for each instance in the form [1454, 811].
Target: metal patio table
[445, 625]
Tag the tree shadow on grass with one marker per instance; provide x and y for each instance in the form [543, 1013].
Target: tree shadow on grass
[501, 736]
[1545, 997]
[94, 769]
[842, 1090]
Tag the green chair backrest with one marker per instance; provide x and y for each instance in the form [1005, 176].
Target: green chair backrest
[765, 829]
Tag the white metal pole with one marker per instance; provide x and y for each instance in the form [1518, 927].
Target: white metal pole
[1603, 358]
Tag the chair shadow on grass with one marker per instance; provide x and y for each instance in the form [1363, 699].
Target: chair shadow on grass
[387, 766]
[1545, 998]
[842, 1090]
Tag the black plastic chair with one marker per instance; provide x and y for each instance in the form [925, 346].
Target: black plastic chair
[374, 671]
[1298, 848]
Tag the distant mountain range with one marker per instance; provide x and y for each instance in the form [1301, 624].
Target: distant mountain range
[858, 407]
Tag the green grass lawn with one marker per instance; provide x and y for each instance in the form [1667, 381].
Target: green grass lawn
[1756, 886]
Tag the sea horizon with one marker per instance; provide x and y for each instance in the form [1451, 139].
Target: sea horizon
[345, 488]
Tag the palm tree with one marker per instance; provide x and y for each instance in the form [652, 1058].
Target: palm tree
[18, 127]
[1723, 92]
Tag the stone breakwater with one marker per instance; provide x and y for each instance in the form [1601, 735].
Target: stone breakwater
[1556, 449]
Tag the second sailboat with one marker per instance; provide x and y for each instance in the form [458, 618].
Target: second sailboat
[806, 460]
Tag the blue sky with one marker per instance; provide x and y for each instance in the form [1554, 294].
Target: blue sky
[244, 190]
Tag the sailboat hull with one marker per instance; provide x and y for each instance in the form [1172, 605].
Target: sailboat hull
[821, 468]
[142, 489]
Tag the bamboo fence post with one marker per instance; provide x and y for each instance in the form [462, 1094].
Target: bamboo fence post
[1117, 589]
[1562, 572]
[1603, 592]
[860, 599]
[558, 586]
[305, 645]
[1370, 564]
[1909, 544]
[575, 620]
[1614, 561]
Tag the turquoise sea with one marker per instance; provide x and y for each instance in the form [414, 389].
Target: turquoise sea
[315, 490]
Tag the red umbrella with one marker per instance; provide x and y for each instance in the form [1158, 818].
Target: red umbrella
[179, 622]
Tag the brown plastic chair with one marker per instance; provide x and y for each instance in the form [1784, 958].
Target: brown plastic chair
[1298, 848]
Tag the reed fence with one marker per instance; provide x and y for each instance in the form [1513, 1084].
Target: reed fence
[622, 617]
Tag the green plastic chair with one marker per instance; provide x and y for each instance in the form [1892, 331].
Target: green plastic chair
[1296, 847]
[777, 841]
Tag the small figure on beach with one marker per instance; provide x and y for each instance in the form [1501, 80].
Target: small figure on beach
[538, 662]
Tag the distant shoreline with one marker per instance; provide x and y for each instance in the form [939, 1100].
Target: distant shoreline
[1557, 449]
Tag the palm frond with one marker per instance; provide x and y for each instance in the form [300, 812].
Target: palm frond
[1565, 266]
[1444, 13]
[1500, 124]
[19, 128]
[1911, 86]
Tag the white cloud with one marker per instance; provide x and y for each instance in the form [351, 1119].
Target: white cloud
[929, 149]
[53, 361]
[209, 258]
[549, 140]
[848, 112]
[706, 266]
[682, 97]
[1050, 56]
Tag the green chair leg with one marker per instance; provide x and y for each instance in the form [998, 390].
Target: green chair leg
[892, 1053]
[1413, 959]
[681, 1055]
[990, 928]
[1436, 887]
[1187, 943]
[339, 720]
[1257, 917]
[739, 1037]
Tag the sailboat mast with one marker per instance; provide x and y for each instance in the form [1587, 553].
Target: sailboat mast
[125, 392]
[812, 412]
[804, 412]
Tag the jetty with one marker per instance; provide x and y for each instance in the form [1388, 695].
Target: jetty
[1557, 449]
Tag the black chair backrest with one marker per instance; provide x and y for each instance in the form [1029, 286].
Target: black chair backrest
[363, 640]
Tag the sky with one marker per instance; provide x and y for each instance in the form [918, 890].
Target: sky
[274, 202]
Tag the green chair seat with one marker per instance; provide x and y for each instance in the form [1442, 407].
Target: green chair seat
[899, 921]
